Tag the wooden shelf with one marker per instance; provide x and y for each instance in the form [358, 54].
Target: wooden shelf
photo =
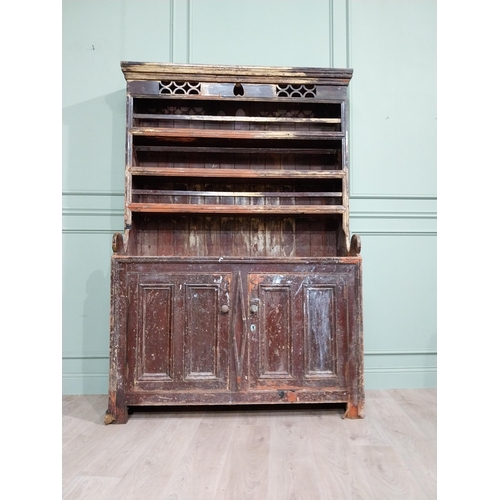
[244, 194]
[256, 119]
[177, 133]
[230, 150]
[237, 173]
[190, 208]
[218, 98]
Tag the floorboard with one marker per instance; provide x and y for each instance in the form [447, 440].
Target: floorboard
[262, 453]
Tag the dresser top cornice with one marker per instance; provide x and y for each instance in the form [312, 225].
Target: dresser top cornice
[222, 73]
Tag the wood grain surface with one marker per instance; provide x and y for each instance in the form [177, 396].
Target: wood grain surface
[256, 453]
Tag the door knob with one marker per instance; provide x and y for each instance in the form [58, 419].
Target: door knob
[224, 309]
[254, 308]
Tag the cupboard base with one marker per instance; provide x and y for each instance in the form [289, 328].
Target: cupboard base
[235, 332]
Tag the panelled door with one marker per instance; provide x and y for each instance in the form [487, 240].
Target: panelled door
[178, 331]
[298, 327]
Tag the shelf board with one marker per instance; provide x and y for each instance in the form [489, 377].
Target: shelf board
[257, 119]
[308, 101]
[229, 150]
[238, 194]
[237, 173]
[235, 209]
[190, 133]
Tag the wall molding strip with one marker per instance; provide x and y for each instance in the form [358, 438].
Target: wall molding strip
[359, 196]
[331, 46]
[172, 27]
[81, 375]
[189, 38]
[92, 193]
[392, 215]
[396, 233]
[409, 197]
[78, 212]
[375, 378]
[86, 356]
[372, 352]
[114, 212]
[91, 231]
[403, 369]
[348, 43]
[360, 232]
[396, 352]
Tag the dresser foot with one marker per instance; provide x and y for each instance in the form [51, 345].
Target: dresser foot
[353, 411]
[116, 415]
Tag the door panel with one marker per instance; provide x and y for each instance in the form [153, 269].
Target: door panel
[320, 329]
[201, 332]
[325, 328]
[275, 331]
[298, 329]
[275, 353]
[154, 339]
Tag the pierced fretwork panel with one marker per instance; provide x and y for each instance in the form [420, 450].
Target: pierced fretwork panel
[180, 88]
[295, 90]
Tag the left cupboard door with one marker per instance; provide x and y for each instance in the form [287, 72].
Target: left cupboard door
[178, 331]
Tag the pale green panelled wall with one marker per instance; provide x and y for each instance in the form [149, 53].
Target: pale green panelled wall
[391, 46]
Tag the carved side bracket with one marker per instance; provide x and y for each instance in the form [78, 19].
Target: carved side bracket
[355, 248]
[117, 245]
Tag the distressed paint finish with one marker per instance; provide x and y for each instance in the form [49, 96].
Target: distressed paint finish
[154, 332]
[236, 280]
[216, 235]
[320, 320]
[143, 71]
[240, 354]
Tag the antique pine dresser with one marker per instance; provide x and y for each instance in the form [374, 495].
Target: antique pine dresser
[236, 280]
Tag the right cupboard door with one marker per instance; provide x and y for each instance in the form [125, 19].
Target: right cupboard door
[298, 330]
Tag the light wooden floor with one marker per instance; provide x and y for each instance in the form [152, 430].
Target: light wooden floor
[264, 454]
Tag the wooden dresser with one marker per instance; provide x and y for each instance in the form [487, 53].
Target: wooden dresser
[236, 280]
